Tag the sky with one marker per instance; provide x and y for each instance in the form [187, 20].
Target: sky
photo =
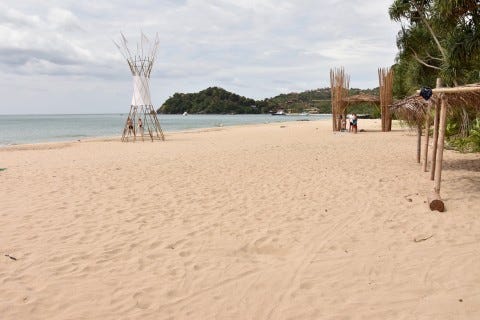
[58, 56]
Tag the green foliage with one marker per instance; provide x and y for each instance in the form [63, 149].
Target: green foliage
[318, 100]
[439, 38]
[211, 100]
[470, 143]
[452, 129]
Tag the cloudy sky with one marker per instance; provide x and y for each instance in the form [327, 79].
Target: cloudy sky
[59, 57]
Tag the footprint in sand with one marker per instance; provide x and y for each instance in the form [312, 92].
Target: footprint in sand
[143, 300]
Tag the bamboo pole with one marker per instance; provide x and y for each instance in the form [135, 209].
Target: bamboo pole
[441, 143]
[419, 141]
[390, 99]
[339, 83]
[434, 200]
[436, 119]
[427, 136]
[435, 133]
[455, 89]
[332, 94]
[385, 80]
[380, 83]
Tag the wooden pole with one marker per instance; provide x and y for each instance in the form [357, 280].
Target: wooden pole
[332, 94]
[434, 200]
[427, 136]
[455, 89]
[380, 91]
[436, 119]
[441, 142]
[419, 142]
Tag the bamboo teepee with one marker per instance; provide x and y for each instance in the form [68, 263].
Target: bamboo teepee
[142, 118]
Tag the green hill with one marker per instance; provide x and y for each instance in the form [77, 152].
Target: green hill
[211, 100]
[216, 100]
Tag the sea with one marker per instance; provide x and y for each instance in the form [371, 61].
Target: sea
[25, 129]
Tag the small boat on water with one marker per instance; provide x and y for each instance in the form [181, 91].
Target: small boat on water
[279, 113]
[185, 113]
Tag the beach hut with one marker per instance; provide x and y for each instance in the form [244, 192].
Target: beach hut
[416, 111]
[142, 118]
[341, 101]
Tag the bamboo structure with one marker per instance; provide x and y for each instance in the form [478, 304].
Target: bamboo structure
[415, 110]
[149, 121]
[339, 86]
[385, 80]
[142, 114]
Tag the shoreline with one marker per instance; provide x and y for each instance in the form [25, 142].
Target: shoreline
[110, 136]
[56, 144]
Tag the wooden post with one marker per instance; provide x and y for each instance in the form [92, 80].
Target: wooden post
[419, 141]
[441, 142]
[436, 119]
[427, 136]
[434, 200]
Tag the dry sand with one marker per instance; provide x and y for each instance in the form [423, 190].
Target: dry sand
[276, 221]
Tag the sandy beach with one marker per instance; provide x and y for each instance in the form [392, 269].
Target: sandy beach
[274, 221]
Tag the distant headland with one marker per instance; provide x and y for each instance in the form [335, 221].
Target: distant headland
[215, 100]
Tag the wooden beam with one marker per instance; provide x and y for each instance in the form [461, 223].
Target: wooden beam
[455, 90]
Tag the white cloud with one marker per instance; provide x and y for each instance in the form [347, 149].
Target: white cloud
[255, 48]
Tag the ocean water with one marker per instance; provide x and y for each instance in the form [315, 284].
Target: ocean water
[21, 129]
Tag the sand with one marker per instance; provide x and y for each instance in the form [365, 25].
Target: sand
[273, 221]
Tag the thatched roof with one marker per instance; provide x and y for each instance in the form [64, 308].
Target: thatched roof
[413, 109]
[467, 96]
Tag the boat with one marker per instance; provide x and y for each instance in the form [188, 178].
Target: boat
[185, 113]
[279, 113]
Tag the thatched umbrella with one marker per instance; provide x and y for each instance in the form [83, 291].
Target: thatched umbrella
[416, 111]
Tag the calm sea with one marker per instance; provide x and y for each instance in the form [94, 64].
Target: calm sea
[19, 129]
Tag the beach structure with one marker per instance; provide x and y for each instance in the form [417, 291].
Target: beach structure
[142, 118]
[341, 101]
[416, 111]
